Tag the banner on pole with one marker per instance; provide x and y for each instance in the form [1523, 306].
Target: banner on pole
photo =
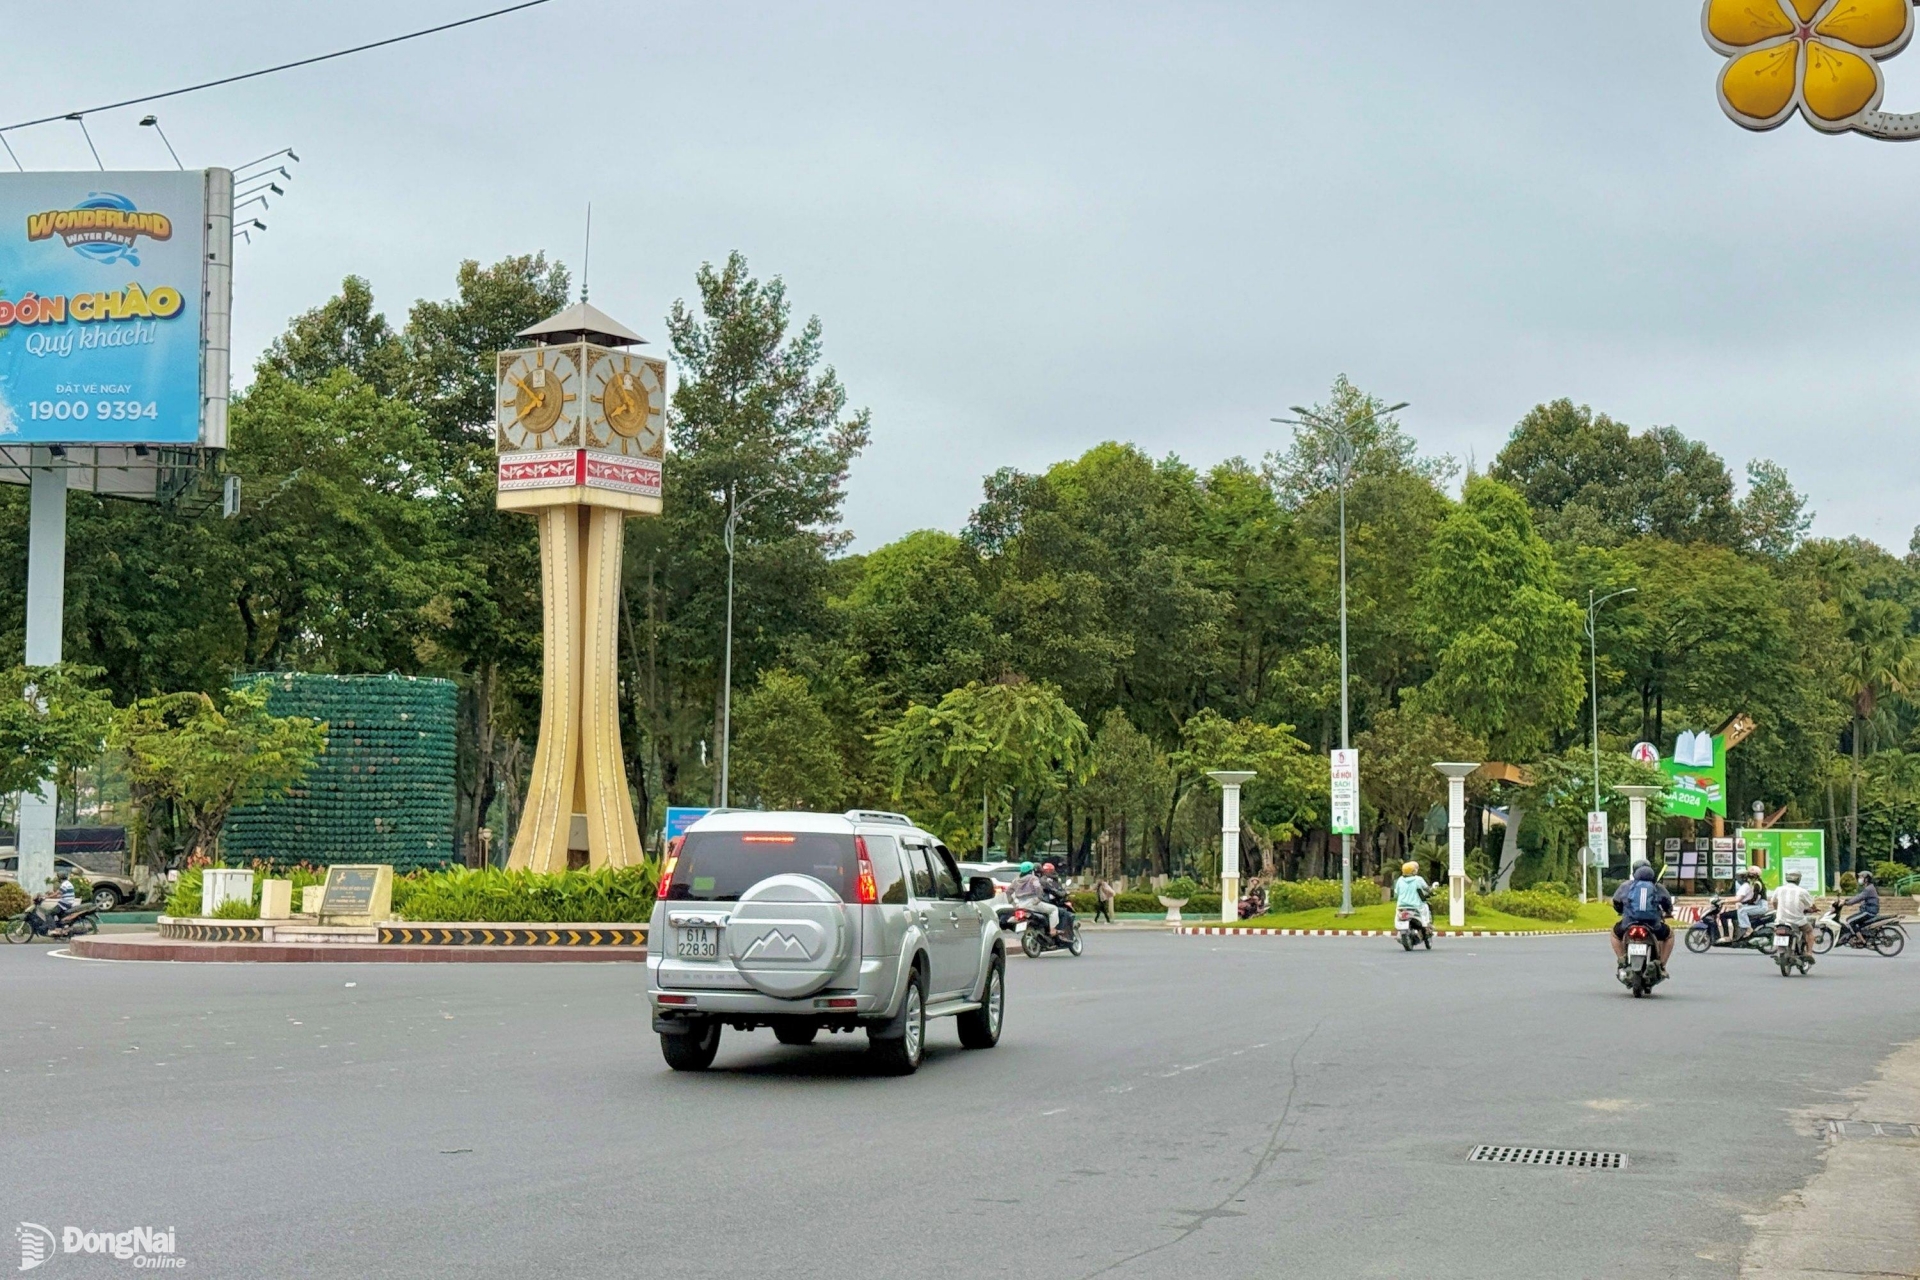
[1597, 838]
[1345, 793]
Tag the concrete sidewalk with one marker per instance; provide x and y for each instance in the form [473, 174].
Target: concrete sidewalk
[1860, 1215]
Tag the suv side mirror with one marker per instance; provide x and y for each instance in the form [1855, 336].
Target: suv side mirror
[980, 888]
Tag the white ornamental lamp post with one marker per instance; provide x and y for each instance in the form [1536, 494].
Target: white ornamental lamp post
[1456, 775]
[1596, 819]
[1230, 780]
[1637, 798]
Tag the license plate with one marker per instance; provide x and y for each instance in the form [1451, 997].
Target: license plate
[1405, 923]
[697, 944]
[1019, 926]
[1636, 949]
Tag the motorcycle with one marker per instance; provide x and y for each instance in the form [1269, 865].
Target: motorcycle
[1704, 935]
[1790, 950]
[1410, 929]
[1885, 935]
[1643, 971]
[34, 923]
[1036, 941]
[1253, 903]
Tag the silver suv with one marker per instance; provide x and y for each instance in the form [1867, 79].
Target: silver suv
[806, 922]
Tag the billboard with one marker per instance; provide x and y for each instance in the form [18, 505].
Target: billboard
[114, 293]
[1776, 851]
[1698, 768]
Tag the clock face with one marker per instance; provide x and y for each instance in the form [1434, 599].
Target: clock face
[627, 399]
[537, 389]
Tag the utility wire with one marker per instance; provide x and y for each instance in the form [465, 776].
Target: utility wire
[267, 71]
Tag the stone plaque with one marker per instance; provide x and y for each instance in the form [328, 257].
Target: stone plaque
[357, 895]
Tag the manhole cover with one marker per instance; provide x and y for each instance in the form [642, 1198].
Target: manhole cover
[1837, 1129]
[1550, 1156]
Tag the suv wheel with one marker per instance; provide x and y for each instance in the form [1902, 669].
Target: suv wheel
[981, 1028]
[900, 1056]
[693, 1049]
[106, 897]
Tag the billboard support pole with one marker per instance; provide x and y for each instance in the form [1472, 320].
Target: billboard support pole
[46, 609]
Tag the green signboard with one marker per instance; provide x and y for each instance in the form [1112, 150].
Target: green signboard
[1699, 786]
[1778, 852]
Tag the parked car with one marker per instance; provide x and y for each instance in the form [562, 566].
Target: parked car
[811, 922]
[109, 891]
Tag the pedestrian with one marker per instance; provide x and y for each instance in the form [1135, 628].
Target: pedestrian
[1103, 895]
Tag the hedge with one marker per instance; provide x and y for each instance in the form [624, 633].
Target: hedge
[13, 899]
[1531, 903]
[487, 896]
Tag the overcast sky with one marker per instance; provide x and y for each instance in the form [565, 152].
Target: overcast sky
[1031, 227]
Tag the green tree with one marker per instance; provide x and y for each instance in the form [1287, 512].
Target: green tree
[1882, 659]
[1129, 783]
[757, 419]
[490, 628]
[206, 756]
[1013, 737]
[1282, 797]
[333, 563]
[1590, 479]
[1773, 514]
[1506, 646]
[53, 720]
[783, 753]
[345, 332]
[1397, 777]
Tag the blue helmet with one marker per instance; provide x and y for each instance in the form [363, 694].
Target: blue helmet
[1643, 871]
[1026, 868]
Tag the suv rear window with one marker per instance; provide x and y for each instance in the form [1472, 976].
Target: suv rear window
[719, 866]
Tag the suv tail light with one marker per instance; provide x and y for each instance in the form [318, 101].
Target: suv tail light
[666, 872]
[866, 888]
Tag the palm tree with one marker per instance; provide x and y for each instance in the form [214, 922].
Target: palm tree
[1882, 660]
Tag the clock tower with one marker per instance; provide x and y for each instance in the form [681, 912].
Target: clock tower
[580, 428]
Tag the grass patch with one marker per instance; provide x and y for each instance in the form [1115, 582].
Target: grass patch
[1595, 915]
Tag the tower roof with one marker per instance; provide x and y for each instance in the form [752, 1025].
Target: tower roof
[585, 321]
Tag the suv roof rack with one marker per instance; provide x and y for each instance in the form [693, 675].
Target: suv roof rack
[878, 815]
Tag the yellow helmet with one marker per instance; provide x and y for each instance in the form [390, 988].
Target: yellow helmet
[1409, 868]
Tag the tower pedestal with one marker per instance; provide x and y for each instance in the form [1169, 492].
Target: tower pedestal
[578, 808]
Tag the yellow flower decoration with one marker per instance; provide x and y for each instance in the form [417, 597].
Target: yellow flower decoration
[1820, 56]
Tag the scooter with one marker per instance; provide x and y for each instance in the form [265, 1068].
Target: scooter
[1643, 971]
[1410, 928]
[1885, 935]
[1031, 928]
[1253, 903]
[36, 923]
[1790, 950]
[1704, 936]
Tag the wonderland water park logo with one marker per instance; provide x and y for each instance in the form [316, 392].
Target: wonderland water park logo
[104, 227]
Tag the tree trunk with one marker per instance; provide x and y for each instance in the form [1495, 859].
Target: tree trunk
[1853, 801]
[1509, 847]
[1263, 844]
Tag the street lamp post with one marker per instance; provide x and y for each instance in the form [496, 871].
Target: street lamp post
[1593, 684]
[737, 506]
[1342, 452]
[1456, 775]
[1230, 781]
[1637, 798]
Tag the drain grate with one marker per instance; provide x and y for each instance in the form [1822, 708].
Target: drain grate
[1549, 1156]
[1838, 1129]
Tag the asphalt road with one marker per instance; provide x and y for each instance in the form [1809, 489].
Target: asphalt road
[1244, 1106]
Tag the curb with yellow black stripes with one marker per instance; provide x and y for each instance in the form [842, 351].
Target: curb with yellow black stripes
[480, 935]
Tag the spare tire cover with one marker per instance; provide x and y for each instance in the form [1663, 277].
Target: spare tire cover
[789, 935]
